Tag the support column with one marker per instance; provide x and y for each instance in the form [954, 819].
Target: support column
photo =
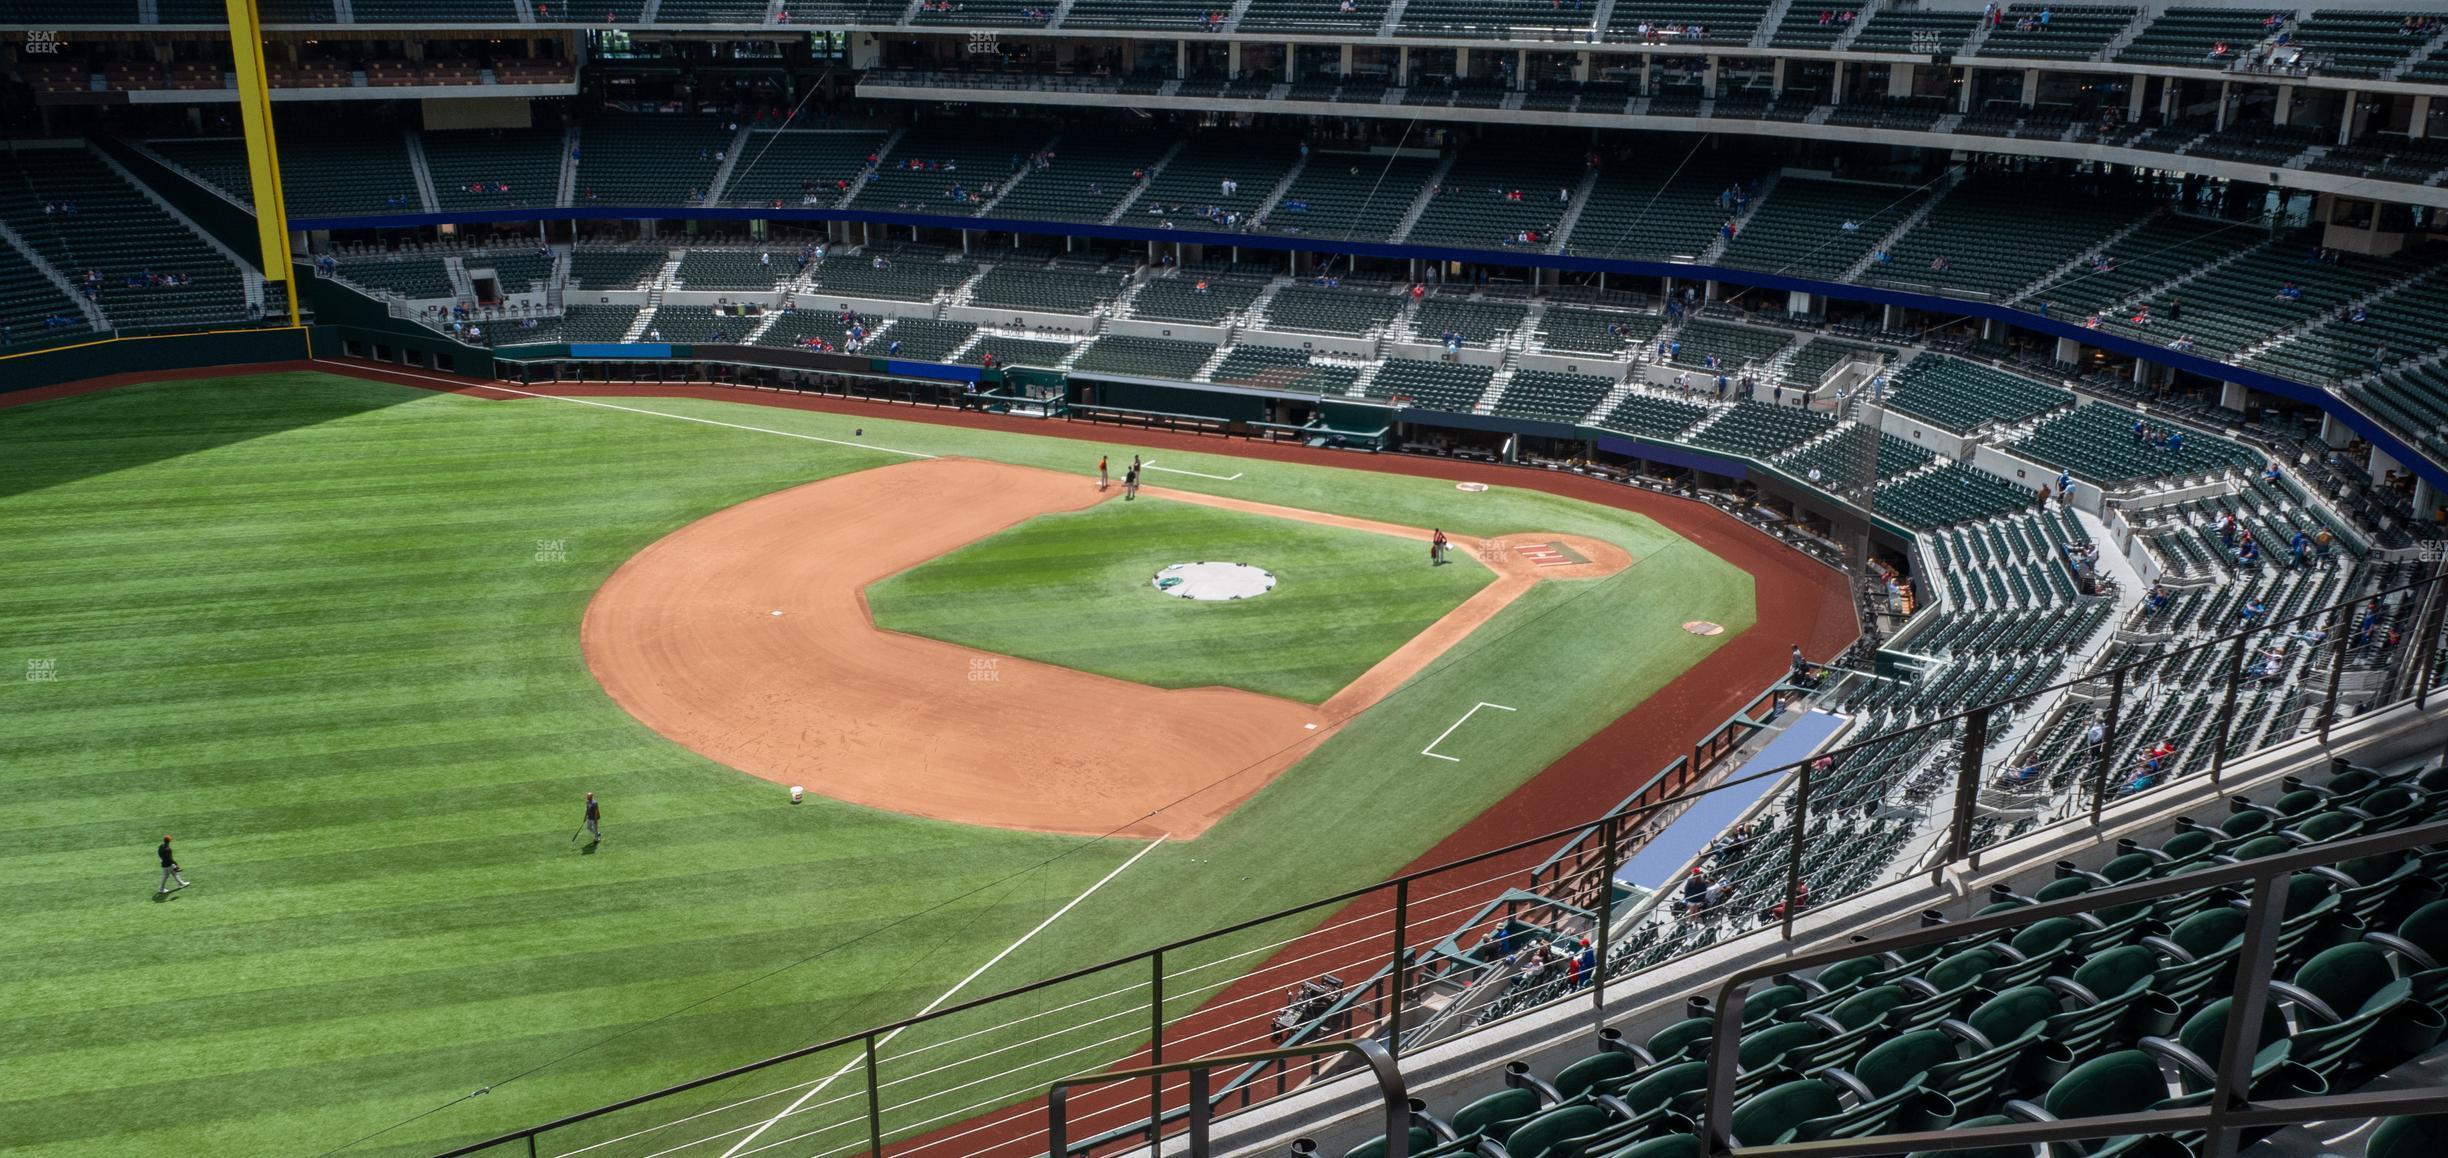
[1343, 65]
[2346, 120]
[1797, 303]
[2167, 97]
[2069, 351]
[1963, 90]
[2031, 87]
[1776, 79]
[2133, 102]
[1581, 68]
[1402, 67]
[1900, 80]
[2234, 397]
[2141, 372]
[1461, 63]
[1181, 60]
[2286, 105]
[263, 154]
[2418, 124]
[1648, 68]
[1836, 83]
[2226, 91]
[1708, 80]
[1232, 60]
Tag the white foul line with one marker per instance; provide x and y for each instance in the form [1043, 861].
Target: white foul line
[661, 414]
[1430, 750]
[932, 1006]
[1150, 464]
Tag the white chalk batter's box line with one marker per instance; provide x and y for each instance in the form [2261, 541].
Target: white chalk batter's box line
[1430, 750]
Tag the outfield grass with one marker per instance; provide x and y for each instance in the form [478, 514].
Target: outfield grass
[1074, 590]
[325, 631]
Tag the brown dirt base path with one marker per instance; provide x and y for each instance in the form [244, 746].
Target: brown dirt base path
[686, 637]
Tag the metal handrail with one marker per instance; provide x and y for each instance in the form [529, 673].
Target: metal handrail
[2229, 1106]
[1380, 1062]
[2423, 646]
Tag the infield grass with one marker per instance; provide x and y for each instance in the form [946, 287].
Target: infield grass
[325, 631]
[1075, 590]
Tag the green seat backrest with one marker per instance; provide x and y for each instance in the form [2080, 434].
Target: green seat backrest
[1869, 1005]
[1763, 1005]
[1674, 1039]
[1666, 1085]
[2209, 932]
[1421, 1142]
[2044, 937]
[2188, 844]
[1981, 1151]
[2261, 846]
[2132, 866]
[1496, 1113]
[2014, 1014]
[2205, 1033]
[1540, 1135]
[2427, 928]
[1670, 1146]
[1846, 974]
[1902, 1062]
[2346, 976]
[1769, 1117]
[2247, 822]
[1594, 1072]
[2424, 1136]
[2124, 1082]
[2061, 888]
[1961, 969]
[1765, 1047]
[2118, 971]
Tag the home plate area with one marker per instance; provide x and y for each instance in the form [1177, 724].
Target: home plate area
[1547, 554]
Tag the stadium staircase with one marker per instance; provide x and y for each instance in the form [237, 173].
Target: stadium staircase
[568, 187]
[1275, 196]
[1844, 40]
[1887, 243]
[650, 12]
[1419, 206]
[423, 174]
[2080, 260]
[2133, 30]
[731, 159]
[1393, 18]
[252, 277]
[987, 209]
[2430, 50]
[148, 11]
[462, 286]
[908, 15]
[1123, 207]
[51, 273]
[526, 11]
[1582, 193]
[1054, 23]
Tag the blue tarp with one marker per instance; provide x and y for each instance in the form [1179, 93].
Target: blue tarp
[1655, 865]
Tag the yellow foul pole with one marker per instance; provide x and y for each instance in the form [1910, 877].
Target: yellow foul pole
[263, 158]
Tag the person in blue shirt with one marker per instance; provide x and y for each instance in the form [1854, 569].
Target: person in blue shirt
[2175, 441]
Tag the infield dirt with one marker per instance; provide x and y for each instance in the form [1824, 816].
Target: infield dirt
[685, 636]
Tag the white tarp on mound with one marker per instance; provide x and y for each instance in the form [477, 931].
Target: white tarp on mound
[1214, 582]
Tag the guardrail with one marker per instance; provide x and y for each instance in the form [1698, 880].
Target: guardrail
[2226, 1108]
[1274, 978]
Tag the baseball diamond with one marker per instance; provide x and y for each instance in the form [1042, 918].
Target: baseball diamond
[1131, 579]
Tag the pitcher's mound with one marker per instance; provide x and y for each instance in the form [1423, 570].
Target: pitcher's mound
[1214, 582]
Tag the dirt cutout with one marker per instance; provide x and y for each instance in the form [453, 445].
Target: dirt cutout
[745, 637]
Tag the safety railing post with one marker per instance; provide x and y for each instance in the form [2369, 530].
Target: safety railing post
[2338, 640]
[1200, 1114]
[1793, 855]
[531, 1146]
[1058, 1122]
[1400, 973]
[2227, 702]
[1156, 1053]
[2254, 967]
[875, 1104]
[1967, 788]
[2101, 770]
[1606, 914]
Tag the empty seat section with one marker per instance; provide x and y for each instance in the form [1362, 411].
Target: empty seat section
[120, 235]
[805, 167]
[2056, 31]
[2097, 443]
[1085, 178]
[1283, 368]
[1191, 189]
[1145, 357]
[1052, 290]
[1327, 311]
[1498, 193]
[1016, 352]
[1951, 494]
[471, 166]
[1350, 195]
[1431, 385]
[1965, 396]
[1570, 329]
[1552, 396]
[1179, 298]
[1761, 431]
[648, 159]
[1801, 227]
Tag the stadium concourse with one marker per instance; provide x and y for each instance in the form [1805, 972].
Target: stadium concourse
[2065, 382]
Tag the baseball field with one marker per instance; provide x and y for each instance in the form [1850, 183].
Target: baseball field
[362, 647]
